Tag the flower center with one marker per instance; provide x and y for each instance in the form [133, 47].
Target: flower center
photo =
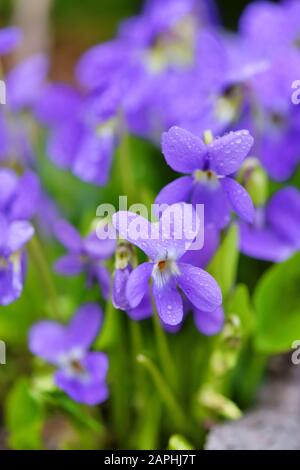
[207, 176]
[163, 270]
[173, 47]
[77, 367]
[161, 265]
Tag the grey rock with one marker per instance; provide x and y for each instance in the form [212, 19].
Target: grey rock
[273, 424]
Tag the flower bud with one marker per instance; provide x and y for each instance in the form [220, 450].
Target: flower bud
[255, 180]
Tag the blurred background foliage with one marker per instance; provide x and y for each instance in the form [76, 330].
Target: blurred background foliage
[77, 25]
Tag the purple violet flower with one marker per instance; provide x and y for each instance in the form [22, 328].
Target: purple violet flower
[209, 167]
[165, 268]
[81, 374]
[13, 237]
[124, 260]
[84, 255]
[275, 233]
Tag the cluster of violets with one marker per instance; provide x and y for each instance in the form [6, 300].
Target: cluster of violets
[218, 103]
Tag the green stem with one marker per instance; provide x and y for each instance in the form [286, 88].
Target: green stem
[164, 390]
[163, 349]
[125, 169]
[37, 255]
[181, 421]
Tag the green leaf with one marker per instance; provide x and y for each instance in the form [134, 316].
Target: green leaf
[277, 305]
[239, 304]
[24, 418]
[178, 442]
[224, 264]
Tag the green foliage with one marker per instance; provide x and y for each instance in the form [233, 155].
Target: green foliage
[277, 305]
[224, 264]
[24, 418]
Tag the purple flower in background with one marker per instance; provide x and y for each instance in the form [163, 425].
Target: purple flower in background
[24, 83]
[81, 374]
[10, 38]
[275, 233]
[19, 196]
[84, 255]
[84, 130]
[13, 237]
[19, 199]
[209, 167]
[271, 28]
[165, 268]
[124, 260]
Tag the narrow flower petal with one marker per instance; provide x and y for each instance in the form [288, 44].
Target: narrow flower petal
[119, 297]
[239, 199]
[200, 287]
[85, 325]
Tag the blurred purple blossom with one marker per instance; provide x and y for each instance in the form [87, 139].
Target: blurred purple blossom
[81, 374]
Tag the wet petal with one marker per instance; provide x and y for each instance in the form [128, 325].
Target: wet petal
[183, 151]
[227, 153]
[200, 287]
[239, 199]
[168, 303]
